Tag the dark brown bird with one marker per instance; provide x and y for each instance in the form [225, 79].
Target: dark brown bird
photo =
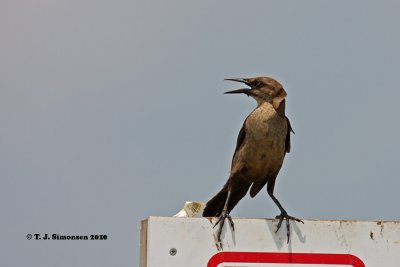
[261, 146]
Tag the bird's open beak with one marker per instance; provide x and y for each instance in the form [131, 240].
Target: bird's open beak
[246, 91]
[239, 91]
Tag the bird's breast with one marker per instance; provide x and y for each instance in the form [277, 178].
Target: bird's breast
[264, 145]
[265, 124]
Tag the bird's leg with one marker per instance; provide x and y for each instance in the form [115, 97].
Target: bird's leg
[283, 216]
[221, 220]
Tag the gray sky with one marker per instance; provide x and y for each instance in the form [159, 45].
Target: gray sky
[112, 111]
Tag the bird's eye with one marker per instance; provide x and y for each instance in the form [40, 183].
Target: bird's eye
[257, 83]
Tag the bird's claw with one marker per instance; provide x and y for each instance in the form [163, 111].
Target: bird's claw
[285, 216]
[221, 221]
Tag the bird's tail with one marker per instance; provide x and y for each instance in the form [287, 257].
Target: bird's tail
[216, 204]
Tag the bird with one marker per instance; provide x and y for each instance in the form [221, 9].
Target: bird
[261, 146]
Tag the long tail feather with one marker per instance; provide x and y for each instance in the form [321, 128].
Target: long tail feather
[216, 204]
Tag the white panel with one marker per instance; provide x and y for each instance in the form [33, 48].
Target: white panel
[375, 243]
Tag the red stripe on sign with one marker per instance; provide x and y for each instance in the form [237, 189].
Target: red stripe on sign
[273, 257]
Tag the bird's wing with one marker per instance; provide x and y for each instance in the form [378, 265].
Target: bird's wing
[240, 139]
[257, 186]
[287, 141]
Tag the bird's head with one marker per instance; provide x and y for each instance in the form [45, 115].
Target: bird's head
[262, 89]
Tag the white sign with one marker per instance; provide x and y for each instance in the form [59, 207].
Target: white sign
[186, 242]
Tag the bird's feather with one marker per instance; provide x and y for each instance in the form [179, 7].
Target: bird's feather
[256, 187]
[287, 141]
[240, 139]
[216, 204]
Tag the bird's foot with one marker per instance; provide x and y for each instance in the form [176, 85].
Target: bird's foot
[221, 221]
[285, 216]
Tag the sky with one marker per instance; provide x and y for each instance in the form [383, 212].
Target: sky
[113, 111]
